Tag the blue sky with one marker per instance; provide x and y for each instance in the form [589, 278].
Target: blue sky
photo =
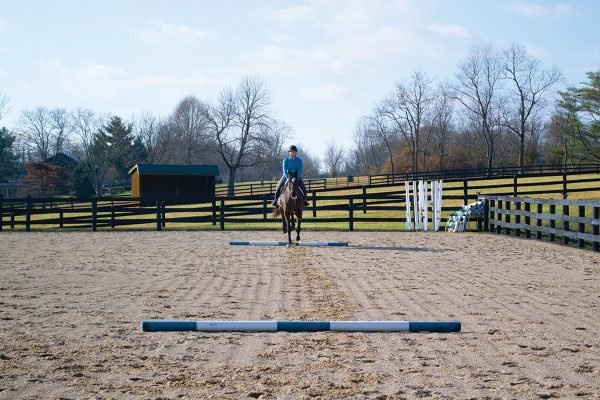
[327, 62]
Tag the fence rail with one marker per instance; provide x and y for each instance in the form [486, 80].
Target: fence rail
[502, 217]
[382, 205]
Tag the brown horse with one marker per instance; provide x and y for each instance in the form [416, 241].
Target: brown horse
[289, 204]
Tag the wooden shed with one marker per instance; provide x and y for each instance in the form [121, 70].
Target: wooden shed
[174, 182]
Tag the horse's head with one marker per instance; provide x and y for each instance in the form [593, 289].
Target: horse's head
[293, 183]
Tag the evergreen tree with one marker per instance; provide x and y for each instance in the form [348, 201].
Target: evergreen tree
[80, 183]
[9, 165]
[575, 125]
[117, 141]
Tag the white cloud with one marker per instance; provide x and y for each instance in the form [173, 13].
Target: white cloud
[534, 50]
[287, 16]
[540, 12]
[107, 83]
[164, 31]
[328, 91]
[450, 30]
[353, 34]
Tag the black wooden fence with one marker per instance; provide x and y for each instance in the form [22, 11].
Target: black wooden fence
[325, 207]
[545, 219]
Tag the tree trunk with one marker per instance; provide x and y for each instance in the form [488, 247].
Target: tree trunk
[231, 182]
[490, 159]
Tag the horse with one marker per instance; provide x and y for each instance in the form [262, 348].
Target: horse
[289, 204]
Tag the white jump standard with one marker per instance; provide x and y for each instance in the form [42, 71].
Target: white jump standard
[259, 243]
[301, 326]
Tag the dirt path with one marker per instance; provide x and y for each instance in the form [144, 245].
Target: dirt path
[71, 306]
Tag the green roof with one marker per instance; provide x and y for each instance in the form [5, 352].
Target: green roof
[174, 169]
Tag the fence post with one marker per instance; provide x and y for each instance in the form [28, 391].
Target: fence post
[517, 217]
[564, 186]
[12, 221]
[492, 215]
[486, 215]
[214, 212]
[538, 234]
[364, 188]
[265, 207]
[158, 215]
[112, 215]
[28, 215]
[499, 217]
[527, 220]
[60, 221]
[163, 206]
[324, 183]
[1, 212]
[222, 214]
[94, 214]
[596, 230]
[369, 180]
[515, 187]
[565, 240]
[314, 201]
[350, 214]
[581, 242]
[552, 236]
[466, 191]
[507, 217]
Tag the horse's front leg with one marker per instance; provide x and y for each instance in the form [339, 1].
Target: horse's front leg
[298, 229]
[289, 231]
[285, 223]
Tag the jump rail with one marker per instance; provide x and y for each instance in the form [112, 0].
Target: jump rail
[264, 243]
[301, 326]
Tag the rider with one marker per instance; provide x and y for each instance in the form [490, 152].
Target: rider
[291, 163]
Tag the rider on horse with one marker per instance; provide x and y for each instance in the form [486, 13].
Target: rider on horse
[291, 163]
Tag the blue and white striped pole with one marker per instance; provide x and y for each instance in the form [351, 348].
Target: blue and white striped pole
[301, 326]
[259, 243]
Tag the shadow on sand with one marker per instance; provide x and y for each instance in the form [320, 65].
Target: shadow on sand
[397, 248]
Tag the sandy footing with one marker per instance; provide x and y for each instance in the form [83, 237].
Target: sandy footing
[71, 306]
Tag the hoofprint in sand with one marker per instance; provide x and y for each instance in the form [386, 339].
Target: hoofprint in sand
[71, 306]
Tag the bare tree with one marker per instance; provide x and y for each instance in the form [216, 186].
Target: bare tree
[95, 159]
[530, 85]
[369, 154]
[478, 82]
[442, 129]
[406, 108]
[242, 124]
[334, 159]
[35, 129]
[270, 157]
[62, 128]
[4, 109]
[156, 137]
[45, 132]
[190, 130]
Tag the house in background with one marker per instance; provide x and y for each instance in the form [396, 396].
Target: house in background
[66, 162]
[174, 182]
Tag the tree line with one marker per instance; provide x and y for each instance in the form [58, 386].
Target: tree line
[501, 108]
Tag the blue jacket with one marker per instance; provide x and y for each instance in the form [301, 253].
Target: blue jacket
[292, 165]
